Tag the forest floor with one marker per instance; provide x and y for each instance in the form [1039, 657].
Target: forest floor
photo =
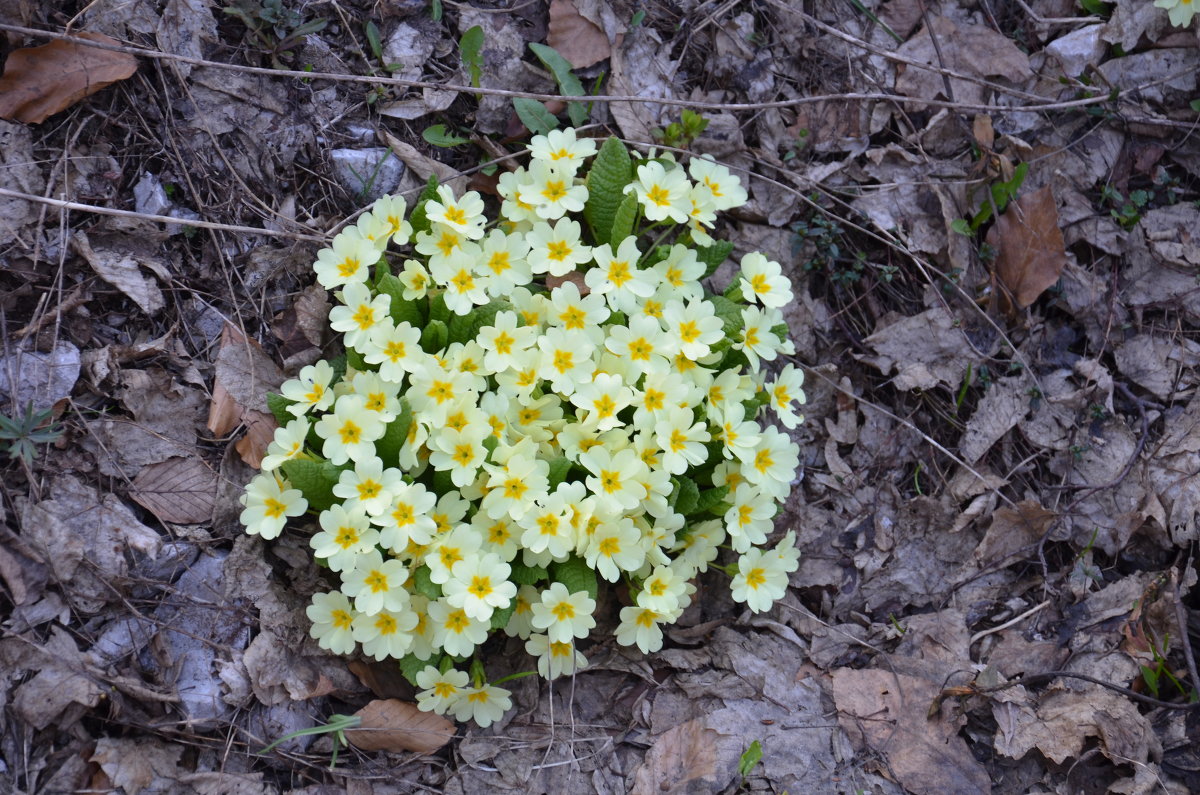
[990, 213]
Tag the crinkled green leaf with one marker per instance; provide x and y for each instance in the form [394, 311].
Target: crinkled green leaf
[464, 328]
[410, 666]
[559, 467]
[709, 498]
[434, 337]
[534, 115]
[315, 479]
[712, 256]
[418, 219]
[685, 495]
[576, 575]
[500, 617]
[401, 310]
[624, 219]
[355, 359]
[278, 406]
[388, 447]
[526, 575]
[425, 586]
[438, 309]
[611, 171]
[730, 314]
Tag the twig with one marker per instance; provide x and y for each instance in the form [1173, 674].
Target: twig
[1040, 103]
[164, 219]
[985, 632]
[1182, 622]
[1136, 696]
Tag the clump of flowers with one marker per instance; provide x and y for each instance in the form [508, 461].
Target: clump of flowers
[530, 407]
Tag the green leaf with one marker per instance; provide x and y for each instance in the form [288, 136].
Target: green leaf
[710, 498]
[751, 757]
[576, 575]
[568, 83]
[278, 406]
[712, 256]
[425, 586]
[438, 135]
[534, 115]
[401, 309]
[410, 666]
[315, 479]
[500, 617]
[470, 48]
[559, 467]
[418, 219]
[685, 495]
[611, 171]
[464, 328]
[438, 309]
[730, 314]
[526, 575]
[961, 226]
[394, 435]
[374, 41]
[624, 219]
[434, 337]
[355, 359]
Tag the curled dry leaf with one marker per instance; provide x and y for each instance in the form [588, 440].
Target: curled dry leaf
[576, 38]
[41, 81]
[178, 490]
[1030, 252]
[396, 726]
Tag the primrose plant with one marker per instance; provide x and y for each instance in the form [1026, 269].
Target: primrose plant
[531, 407]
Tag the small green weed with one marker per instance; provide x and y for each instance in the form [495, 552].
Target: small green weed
[337, 726]
[749, 759]
[682, 133]
[274, 28]
[18, 436]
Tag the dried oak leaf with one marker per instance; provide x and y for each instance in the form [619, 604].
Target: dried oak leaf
[1030, 252]
[41, 81]
[396, 726]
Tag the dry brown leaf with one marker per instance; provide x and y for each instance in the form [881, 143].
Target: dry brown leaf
[1013, 529]
[135, 765]
[244, 375]
[178, 490]
[41, 81]
[681, 759]
[260, 431]
[396, 726]
[575, 37]
[886, 712]
[120, 269]
[1030, 252]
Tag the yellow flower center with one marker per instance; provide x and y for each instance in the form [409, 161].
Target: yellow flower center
[678, 441]
[480, 586]
[376, 581]
[350, 433]
[274, 508]
[364, 316]
[763, 461]
[554, 190]
[499, 262]
[385, 624]
[558, 250]
[455, 215]
[573, 317]
[689, 332]
[659, 195]
[755, 578]
[618, 273]
[341, 619]
[563, 611]
[563, 361]
[348, 267]
[503, 343]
